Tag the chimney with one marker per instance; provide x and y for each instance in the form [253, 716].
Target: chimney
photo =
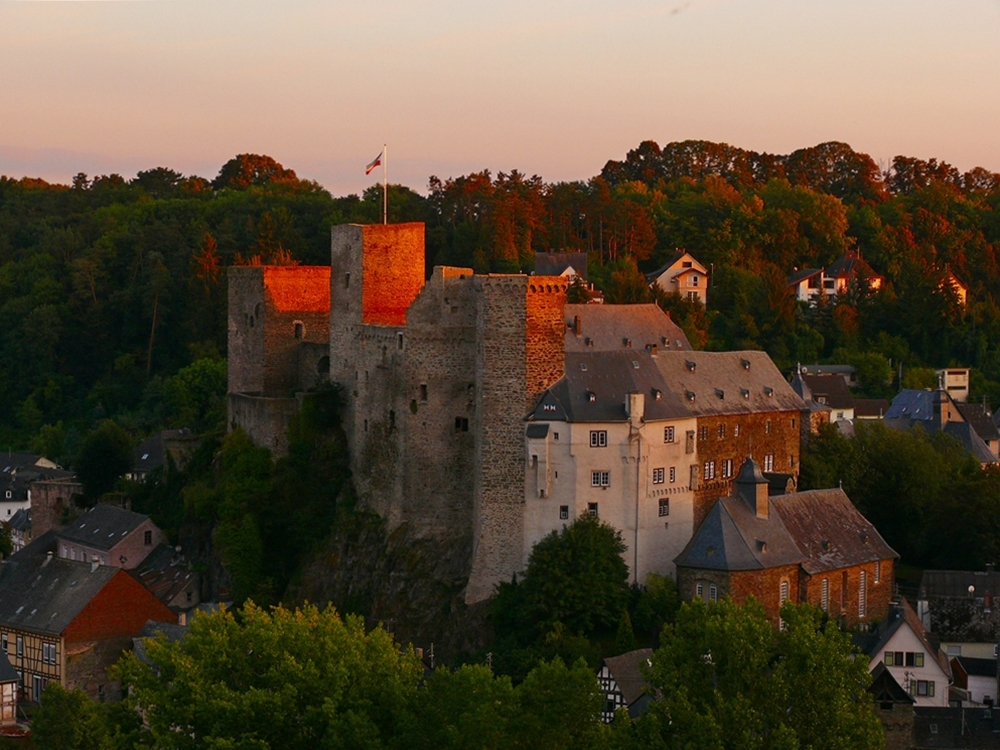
[751, 487]
[48, 558]
[182, 619]
[577, 325]
[635, 407]
[95, 563]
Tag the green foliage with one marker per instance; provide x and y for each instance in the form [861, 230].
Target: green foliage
[68, 720]
[197, 395]
[105, 456]
[727, 679]
[656, 604]
[625, 637]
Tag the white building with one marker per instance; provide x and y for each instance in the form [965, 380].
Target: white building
[684, 275]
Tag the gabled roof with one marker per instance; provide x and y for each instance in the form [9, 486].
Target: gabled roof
[21, 520]
[829, 389]
[689, 384]
[677, 257]
[609, 328]
[103, 526]
[885, 688]
[555, 264]
[849, 265]
[981, 419]
[900, 615]
[165, 573]
[911, 403]
[7, 671]
[45, 594]
[806, 273]
[626, 670]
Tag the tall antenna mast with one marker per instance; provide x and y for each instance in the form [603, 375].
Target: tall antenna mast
[385, 184]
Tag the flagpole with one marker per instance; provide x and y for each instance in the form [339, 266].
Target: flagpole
[385, 184]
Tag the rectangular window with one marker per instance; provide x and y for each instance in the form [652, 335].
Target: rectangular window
[769, 462]
[563, 512]
[423, 391]
[461, 424]
[727, 468]
[863, 595]
[825, 596]
[3, 642]
[20, 646]
[668, 434]
[592, 509]
[767, 427]
[699, 590]
[736, 430]
[783, 592]
[722, 431]
[918, 659]
[703, 433]
[924, 688]
[598, 438]
[147, 538]
[659, 476]
[709, 472]
[713, 593]
[664, 507]
[889, 659]
[600, 479]
[689, 441]
[878, 571]
[673, 474]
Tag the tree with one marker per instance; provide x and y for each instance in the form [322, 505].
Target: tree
[296, 679]
[245, 170]
[727, 679]
[68, 720]
[105, 456]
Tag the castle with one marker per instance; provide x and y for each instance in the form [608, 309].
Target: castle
[437, 377]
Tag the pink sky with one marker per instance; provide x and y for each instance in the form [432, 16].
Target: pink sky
[553, 88]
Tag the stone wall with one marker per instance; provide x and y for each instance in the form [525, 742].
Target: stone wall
[264, 419]
[393, 271]
[49, 502]
[245, 347]
[844, 592]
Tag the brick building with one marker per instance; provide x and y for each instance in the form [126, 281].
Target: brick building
[69, 621]
[804, 547]
[437, 378]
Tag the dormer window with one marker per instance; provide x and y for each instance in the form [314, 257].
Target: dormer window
[745, 363]
[627, 343]
[657, 394]
[768, 391]
[720, 393]
[690, 365]
[591, 396]
[549, 407]
[689, 395]
[686, 264]
[745, 394]
[583, 366]
[635, 364]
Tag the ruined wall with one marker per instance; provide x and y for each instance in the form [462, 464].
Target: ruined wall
[245, 348]
[296, 310]
[545, 333]
[759, 435]
[439, 409]
[314, 362]
[264, 419]
[49, 500]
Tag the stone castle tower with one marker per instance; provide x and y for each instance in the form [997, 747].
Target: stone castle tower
[437, 379]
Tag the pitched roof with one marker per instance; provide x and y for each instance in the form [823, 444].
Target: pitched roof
[977, 667]
[21, 520]
[806, 273]
[554, 264]
[900, 614]
[676, 385]
[7, 671]
[954, 584]
[165, 573]
[981, 419]
[911, 403]
[819, 529]
[617, 327]
[870, 407]
[626, 670]
[152, 629]
[103, 526]
[651, 277]
[45, 594]
[849, 265]
[829, 530]
[829, 389]
[885, 688]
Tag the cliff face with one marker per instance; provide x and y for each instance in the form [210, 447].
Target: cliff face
[413, 586]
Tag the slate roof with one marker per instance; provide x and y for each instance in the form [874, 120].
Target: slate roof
[802, 388]
[102, 527]
[151, 453]
[554, 264]
[947, 728]
[626, 670]
[676, 385]
[165, 573]
[910, 403]
[954, 584]
[819, 529]
[45, 594]
[912, 407]
[21, 520]
[977, 667]
[829, 389]
[884, 687]
[849, 265]
[806, 273]
[870, 407]
[152, 629]
[981, 419]
[609, 328]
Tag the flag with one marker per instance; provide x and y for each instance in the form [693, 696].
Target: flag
[375, 163]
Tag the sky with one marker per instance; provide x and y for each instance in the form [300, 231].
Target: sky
[553, 87]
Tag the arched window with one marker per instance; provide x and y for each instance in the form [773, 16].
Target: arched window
[323, 366]
[300, 329]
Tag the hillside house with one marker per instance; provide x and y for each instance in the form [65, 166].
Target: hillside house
[568, 265]
[980, 416]
[648, 439]
[936, 411]
[955, 380]
[809, 546]
[977, 678]
[682, 275]
[953, 284]
[849, 271]
[111, 536]
[19, 472]
[831, 390]
[69, 621]
[154, 453]
[904, 646]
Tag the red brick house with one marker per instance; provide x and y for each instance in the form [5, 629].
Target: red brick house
[70, 621]
[809, 546]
